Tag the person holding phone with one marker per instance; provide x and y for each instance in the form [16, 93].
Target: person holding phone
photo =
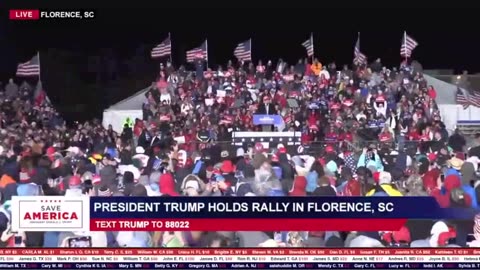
[14, 239]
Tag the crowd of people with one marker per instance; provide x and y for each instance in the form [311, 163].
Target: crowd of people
[379, 130]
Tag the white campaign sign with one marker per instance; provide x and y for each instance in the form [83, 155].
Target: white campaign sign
[50, 213]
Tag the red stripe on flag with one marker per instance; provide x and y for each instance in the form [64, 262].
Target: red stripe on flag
[234, 224]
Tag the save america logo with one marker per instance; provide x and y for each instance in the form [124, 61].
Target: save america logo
[56, 213]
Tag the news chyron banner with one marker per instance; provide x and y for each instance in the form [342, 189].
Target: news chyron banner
[36, 14]
[57, 213]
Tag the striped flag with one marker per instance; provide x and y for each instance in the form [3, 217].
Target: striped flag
[162, 49]
[408, 45]
[198, 52]
[474, 98]
[358, 56]
[308, 44]
[243, 51]
[30, 68]
[462, 99]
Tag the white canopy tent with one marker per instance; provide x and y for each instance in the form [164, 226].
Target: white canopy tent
[131, 107]
[446, 100]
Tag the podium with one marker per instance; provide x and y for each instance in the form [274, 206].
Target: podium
[267, 121]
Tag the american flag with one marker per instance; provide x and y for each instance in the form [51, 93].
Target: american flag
[243, 51]
[466, 98]
[30, 68]
[474, 98]
[462, 99]
[408, 45]
[198, 52]
[358, 56]
[308, 44]
[162, 49]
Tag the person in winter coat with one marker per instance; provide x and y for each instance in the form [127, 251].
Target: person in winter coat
[457, 141]
[8, 186]
[468, 180]
[167, 185]
[11, 90]
[316, 67]
[284, 164]
[299, 185]
[384, 186]
[444, 194]
[414, 186]
[364, 240]
[400, 238]
[312, 177]
[440, 235]
[476, 232]
[145, 138]
[370, 157]
[352, 188]
[324, 188]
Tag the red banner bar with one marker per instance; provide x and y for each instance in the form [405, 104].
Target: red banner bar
[246, 224]
[240, 252]
[24, 14]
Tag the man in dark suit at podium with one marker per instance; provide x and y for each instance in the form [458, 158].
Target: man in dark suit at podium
[267, 108]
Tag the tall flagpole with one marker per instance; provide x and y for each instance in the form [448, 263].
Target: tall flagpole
[170, 38]
[313, 47]
[354, 58]
[206, 49]
[39, 67]
[405, 45]
[251, 59]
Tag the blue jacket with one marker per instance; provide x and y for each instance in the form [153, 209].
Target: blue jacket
[471, 192]
[377, 162]
[311, 181]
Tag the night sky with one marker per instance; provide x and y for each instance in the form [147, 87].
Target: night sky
[89, 65]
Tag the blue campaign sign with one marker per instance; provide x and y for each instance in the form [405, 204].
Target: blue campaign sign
[273, 207]
[266, 119]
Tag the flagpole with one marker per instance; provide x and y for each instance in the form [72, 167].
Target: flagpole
[405, 46]
[39, 67]
[358, 38]
[206, 49]
[313, 47]
[170, 38]
[251, 59]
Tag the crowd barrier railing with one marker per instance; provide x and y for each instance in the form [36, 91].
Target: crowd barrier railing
[313, 147]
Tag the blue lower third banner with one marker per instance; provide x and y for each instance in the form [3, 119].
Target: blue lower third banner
[60, 213]
[268, 214]
[252, 265]
[272, 207]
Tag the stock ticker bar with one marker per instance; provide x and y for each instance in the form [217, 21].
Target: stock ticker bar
[35, 14]
[250, 265]
[129, 258]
